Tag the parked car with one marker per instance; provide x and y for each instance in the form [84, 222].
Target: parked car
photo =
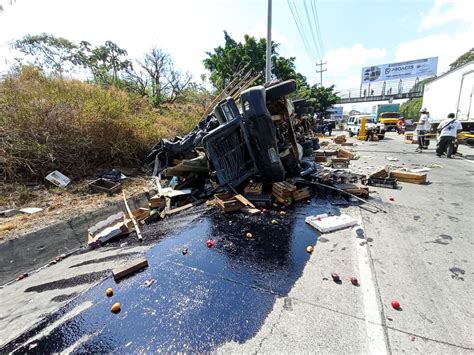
[353, 125]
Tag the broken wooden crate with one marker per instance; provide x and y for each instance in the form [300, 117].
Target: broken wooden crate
[107, 229]
[302, 194]
[283, 190]
[405, 176]
[340, 139]
[105, 186]
[340, 163]
[344, 153]
[227, 202]
[140, 216]
[355, 189]
[253, 188]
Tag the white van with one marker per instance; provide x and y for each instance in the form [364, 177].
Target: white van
[353, 125]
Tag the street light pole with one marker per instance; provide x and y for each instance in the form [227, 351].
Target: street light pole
[268, 66]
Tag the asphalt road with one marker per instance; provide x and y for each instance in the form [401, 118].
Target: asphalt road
[266, 294]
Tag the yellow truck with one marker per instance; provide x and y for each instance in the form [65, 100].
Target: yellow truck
[388, 115]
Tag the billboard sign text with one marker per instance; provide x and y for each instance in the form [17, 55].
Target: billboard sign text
[395, 71]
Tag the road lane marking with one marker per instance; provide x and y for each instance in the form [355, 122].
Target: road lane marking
[375, 333]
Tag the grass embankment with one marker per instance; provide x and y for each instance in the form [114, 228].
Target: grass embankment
[78, 128]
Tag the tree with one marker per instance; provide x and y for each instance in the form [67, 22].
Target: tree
[411, 108]
[224, 62]
[321, 98]
[49, 52]
[463, 59]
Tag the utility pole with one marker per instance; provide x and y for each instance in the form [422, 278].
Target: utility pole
[321, 70]
[268, 64]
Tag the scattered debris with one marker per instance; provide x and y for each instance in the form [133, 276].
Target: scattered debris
[26, 210]
[335, 277]
[274, 221]
[392, 159]
[228, 202]
[185, 251]
[210, 243]
[326, 224]
[354, 281]
[129, 268]
[131, 216]
[248, 235]
[309, 249]
[149, 282]
[58, 179]
[22, 276]
[109, 292]
[107, 229]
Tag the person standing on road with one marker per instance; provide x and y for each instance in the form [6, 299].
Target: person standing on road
[428, 122]
[448, 130]
[421, 130]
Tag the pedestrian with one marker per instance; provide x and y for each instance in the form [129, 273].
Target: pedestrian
[448, 130]
[428, 122]
[421, 130]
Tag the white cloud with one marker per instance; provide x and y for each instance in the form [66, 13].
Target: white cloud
[447, 46]
[446, 12]
[346, 61]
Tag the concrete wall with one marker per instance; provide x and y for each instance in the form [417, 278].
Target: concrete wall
[33, 250]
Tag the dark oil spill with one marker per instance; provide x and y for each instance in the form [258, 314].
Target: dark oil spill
[200, 300]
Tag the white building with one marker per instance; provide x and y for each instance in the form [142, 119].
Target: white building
[451, 92]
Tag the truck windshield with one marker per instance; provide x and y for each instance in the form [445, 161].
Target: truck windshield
[390, 115]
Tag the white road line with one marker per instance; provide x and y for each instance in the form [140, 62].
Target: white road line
[373, 321]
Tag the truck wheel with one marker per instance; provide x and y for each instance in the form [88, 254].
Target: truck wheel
[351, 134]
[381, 136]
[281, 89]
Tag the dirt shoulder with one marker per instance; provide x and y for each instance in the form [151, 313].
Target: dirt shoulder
[57, 204]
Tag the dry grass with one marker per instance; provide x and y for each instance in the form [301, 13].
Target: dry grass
[77, 128]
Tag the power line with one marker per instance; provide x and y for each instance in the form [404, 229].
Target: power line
[315, 42]
[300, 30]
[318, 27]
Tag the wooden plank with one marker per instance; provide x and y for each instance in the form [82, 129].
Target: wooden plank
[406, 176]
[254, 188]
[129, 268]
[244, 201]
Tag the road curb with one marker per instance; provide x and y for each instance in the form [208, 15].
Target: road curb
[33, 250]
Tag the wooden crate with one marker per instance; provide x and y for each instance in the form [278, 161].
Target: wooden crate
[157, 202]
[344, 153]
[107, 186]
[355, 189]
[283, 190]
[340, 163]
[405, 176]
[227, 202]
[320, 159]
[302, 194]
[255, 188]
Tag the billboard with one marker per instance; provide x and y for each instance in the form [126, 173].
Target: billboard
[395, 71]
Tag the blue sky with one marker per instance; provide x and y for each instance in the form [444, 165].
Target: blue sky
[355, 33]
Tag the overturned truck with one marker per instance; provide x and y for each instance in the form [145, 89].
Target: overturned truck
[265, 139]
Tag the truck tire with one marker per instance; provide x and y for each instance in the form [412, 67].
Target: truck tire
[351, 134]
[281, 89]
[381, 136]
[307, 151]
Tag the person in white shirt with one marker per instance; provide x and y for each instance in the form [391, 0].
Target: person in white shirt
[428, 122]
[448, 130]
[421, 129]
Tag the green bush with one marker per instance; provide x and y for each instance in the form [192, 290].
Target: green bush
[76, 127]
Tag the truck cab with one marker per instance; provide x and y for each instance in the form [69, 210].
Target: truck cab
[389, 120]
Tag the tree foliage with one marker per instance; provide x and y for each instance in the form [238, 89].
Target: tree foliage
[411, 108]
[153, 77]
[321, 98]
[225, 61]
[463, 59]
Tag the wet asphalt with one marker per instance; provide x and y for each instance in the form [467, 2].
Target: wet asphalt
[202, 298]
